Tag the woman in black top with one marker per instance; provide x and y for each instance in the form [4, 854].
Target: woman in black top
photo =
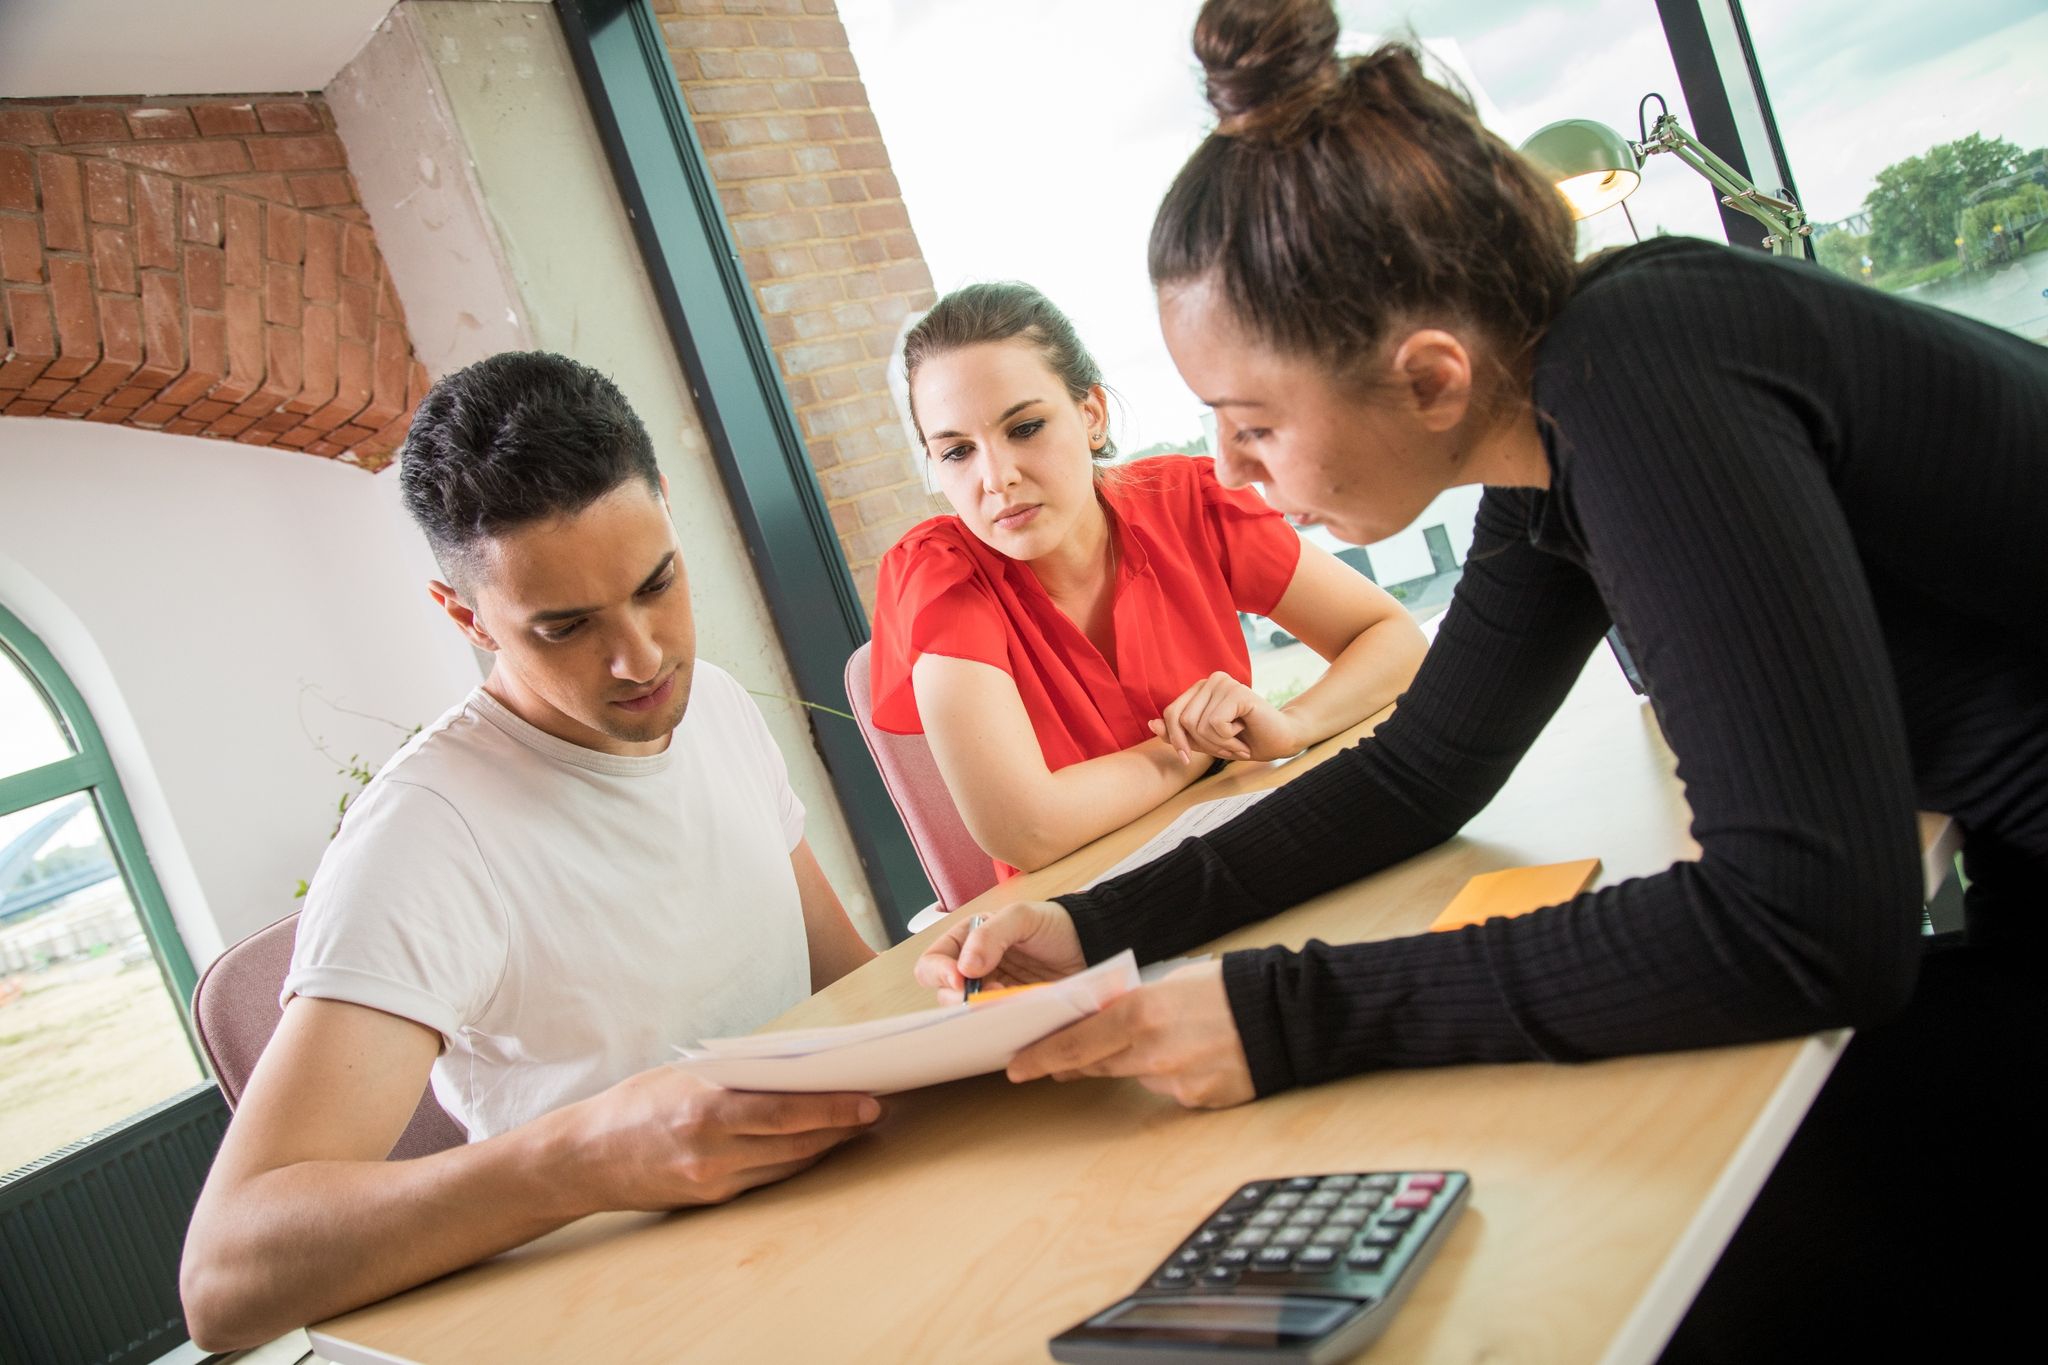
[1810, 508]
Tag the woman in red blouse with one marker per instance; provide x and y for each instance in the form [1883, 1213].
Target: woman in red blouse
[1068, 641]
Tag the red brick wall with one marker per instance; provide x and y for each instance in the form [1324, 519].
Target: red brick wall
[823, 233]
[203, 267]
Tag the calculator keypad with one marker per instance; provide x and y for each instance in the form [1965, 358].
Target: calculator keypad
[1347, 1234]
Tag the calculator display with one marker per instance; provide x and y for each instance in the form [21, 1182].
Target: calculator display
[1274, 1319]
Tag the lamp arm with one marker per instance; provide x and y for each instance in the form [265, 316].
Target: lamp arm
[1783, 219]
[1738, 193]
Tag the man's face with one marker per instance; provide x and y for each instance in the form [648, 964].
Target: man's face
[589, 616]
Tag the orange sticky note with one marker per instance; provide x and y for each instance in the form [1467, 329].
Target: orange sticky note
[998, 992]
[1516, 891]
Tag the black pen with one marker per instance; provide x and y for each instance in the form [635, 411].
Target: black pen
[973, 983]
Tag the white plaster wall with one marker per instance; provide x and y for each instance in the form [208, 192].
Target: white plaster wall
[415, 177]
[195, 590]
[500, 75]
[177, 47]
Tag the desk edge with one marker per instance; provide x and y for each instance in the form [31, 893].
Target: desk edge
[336, 1351]
[1670, 1292]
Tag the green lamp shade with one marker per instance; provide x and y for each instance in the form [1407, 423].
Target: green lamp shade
[1593, 166]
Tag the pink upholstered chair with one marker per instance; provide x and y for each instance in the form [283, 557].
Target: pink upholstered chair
[957, 868]
[235, 1010]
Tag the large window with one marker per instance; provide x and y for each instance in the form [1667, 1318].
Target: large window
[1919, 135]
[92, 974]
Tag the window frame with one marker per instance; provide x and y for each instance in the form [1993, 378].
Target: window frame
[1727, 98]
[91, 771]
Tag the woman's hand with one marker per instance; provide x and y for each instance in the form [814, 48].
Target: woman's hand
[1176, 1036]
[1222, 717]
[1018, 944]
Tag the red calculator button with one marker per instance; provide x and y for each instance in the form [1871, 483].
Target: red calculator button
[1428, 1180]
[1414, 1199]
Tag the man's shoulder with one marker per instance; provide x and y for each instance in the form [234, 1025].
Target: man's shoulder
[459, 748]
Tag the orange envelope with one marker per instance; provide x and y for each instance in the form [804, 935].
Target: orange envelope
[1516, 891]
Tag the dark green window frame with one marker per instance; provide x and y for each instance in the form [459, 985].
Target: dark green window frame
[91, 771]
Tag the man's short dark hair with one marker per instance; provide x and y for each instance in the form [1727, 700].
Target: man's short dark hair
[519, 437]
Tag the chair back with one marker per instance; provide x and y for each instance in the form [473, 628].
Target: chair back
[956, 866]
[235, 1010]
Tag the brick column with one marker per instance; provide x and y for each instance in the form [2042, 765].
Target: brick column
[202, 267]
[824, 236]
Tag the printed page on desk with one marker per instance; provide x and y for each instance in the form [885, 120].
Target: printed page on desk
[1189, 823]
[906, 1051]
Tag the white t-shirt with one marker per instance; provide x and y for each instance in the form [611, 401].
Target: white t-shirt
[560, 916]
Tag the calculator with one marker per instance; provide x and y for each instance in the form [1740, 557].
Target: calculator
[1302, 1268]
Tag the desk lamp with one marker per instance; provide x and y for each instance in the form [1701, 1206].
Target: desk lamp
[1596, 168]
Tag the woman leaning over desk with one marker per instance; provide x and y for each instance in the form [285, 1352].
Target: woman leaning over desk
[1068, 640]
[1814, 511]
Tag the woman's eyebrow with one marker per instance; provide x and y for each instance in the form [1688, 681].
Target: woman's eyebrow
[1008, 413]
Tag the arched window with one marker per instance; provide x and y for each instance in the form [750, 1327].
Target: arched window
[93, 976]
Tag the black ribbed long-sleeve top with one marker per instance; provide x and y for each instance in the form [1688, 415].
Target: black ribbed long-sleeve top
[1819, 516]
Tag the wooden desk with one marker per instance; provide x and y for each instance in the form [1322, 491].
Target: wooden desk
[981, 1218]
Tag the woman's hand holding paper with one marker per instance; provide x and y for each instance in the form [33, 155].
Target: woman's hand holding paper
[1177, 1037]
[1017, 945]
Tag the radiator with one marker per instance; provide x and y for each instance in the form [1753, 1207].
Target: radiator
[90, 1236]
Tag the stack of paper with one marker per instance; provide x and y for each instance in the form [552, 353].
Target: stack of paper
[910, 1050]
[1195, 820]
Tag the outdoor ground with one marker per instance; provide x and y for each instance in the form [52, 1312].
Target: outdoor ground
[86, 1044]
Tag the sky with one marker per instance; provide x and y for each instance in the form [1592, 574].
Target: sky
[1034, 141]
[29, 736]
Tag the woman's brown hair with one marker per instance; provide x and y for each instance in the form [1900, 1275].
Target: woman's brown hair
[1339, 198]
[1002, 311]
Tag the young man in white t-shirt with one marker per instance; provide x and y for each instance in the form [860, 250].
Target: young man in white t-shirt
[595, 856]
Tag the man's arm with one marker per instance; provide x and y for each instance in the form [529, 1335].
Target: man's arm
[303, 1218]
[836, 947]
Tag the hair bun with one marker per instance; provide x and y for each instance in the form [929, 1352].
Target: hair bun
[1268, 63]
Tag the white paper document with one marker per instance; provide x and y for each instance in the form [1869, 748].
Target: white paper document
[1189, 823]
[906, 1051]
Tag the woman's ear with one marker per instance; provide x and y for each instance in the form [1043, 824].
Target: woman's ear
[1095, 413]
[1435, 371]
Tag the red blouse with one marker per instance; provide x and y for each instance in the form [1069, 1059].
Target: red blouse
[1191, 554]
